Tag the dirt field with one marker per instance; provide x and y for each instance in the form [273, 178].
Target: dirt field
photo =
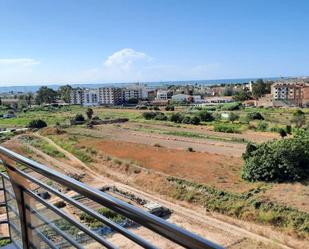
[189, 217]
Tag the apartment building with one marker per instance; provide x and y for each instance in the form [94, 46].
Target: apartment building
[110, 96]
[93, 97]
[290, 93]
[76, 96]
[90, 97]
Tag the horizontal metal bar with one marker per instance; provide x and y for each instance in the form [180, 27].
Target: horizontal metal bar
[88, 210]
[68, 218]
[4, 175]
[54, 227]
[160, 226]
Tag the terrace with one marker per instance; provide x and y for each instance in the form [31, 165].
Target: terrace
[38, 213]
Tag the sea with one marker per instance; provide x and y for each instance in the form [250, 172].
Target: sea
[33, 88]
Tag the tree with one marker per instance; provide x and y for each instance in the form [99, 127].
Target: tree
[277, 161]
[45, 95]
[299, 118]
[89, 113]
[242, 95]
[0, 101]
[259, 88]
[37, 123]
[132, 101]
[228, 91]
[64, 93]
[29, 99]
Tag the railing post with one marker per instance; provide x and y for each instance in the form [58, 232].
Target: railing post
[6, 207]
[18, 185]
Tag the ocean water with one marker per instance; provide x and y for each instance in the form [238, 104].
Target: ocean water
[34, 88]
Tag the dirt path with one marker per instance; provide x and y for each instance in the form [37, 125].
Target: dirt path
[194, 220]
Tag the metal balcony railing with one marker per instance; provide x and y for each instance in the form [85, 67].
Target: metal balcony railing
[43, 211]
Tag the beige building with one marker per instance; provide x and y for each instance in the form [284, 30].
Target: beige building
[290, 93]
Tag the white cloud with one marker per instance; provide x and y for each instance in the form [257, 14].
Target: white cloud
[18, 62]
[124, 58]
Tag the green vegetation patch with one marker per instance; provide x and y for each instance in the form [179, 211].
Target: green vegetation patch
[94, 223]
[43, 146]
[246, 206]
[227, 128]
[71, 145]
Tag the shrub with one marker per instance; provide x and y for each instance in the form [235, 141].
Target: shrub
[169, 108]
[190, 149]
[186, 120]
[231, 106]
[156, 108]
[149, 115]
[37, 123]
[176, 117]
[226, 128]
[277, 161]
[289, 129]
[255, 116]
[155, 115]
[160, 116]
[205, 116]
[262, 126]
[282, 132]
[299, 118]
[233, 117]
[79, 118]
[195, 120]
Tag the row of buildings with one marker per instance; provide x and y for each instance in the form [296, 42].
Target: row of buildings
[118, 96]
[107, 95]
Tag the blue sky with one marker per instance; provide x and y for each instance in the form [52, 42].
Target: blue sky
[97, 41]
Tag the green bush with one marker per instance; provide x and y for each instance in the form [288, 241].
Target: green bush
[227, 128]
[277, 161]
[37, 123]
[231, 106]
[176, 117]
[205, 116]
[262, 126]
[79, 118]
[255, 116]
[149, 115]
[169, 108]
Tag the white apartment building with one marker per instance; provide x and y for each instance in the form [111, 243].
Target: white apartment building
[110, 96]
[90, 97]
[93, 97]
[76, 96]
[131, 94]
